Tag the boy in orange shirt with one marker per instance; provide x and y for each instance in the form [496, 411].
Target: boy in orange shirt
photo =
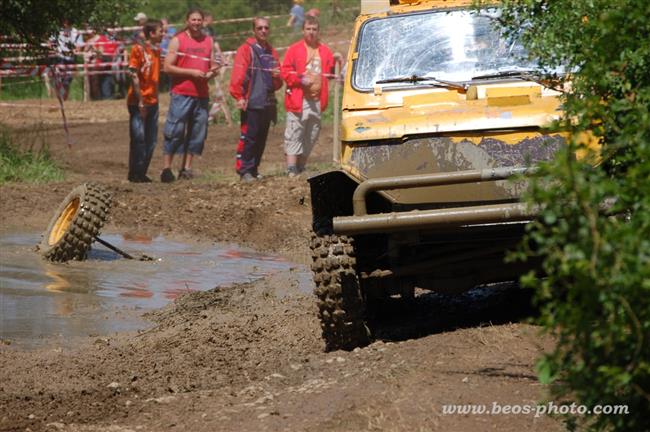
[142, 101]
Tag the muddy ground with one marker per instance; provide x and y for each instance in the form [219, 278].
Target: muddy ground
[250, 357]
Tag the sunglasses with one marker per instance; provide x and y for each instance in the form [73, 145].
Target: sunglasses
[262, 28]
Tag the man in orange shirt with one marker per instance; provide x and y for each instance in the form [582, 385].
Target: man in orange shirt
[142, 101]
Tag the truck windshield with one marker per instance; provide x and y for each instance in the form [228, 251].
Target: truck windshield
[451, 45]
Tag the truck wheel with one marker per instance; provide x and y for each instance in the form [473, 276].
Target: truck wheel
[341, 307]
[76, 223]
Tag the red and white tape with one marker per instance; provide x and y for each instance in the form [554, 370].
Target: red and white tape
[8, 70]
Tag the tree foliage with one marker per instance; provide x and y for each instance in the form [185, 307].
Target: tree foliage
[596, 294]
[34, 21]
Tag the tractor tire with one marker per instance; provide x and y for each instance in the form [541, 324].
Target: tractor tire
[76, 223]
[341, 306]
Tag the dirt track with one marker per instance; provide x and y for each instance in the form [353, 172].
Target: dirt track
[250, 357]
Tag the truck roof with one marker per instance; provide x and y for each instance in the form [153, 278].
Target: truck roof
[371, 7]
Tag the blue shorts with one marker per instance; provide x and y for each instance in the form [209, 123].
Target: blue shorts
[187, 125]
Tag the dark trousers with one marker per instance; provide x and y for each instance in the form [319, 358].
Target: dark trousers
[107, 85]
[107, 81]
[252, 141]
[143, 134]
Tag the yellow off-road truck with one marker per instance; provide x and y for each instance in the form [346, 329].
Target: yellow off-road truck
[439, 109]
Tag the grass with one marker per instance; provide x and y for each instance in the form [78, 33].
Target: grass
[18, 88]
[22, 88]
[25, 157]
[218, 176]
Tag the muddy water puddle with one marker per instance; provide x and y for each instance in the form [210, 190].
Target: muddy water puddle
[107, 293]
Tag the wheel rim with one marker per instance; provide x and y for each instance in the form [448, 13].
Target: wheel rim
[63, 221]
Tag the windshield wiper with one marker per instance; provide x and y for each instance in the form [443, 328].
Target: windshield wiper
[523, 74]
[414, 79]
[527, 75]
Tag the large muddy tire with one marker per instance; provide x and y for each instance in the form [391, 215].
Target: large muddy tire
[341, 307]
[75, 224]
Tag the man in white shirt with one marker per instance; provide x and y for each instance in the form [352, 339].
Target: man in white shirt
[66, 44]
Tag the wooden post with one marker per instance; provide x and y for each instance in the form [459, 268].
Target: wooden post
[336, 144]
[48, 84]
[86, 80]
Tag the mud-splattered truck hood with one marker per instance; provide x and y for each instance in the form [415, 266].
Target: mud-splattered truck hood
[480, 108]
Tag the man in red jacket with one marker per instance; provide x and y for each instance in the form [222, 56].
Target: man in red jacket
[255, 78]
[306, 67]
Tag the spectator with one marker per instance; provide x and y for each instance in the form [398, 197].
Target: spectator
[304, 67]
[255, 78]
[66, 44]
[168, 33]
[92, 55]
[219, 104]
[207, 26]
[138, 36]
[337, 10]
[191, 64]
[120, 56]
[219, 101]
[313, 12]
[109, 54]
[296, 16]
[142, 101]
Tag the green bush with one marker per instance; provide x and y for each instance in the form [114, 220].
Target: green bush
[21, 161]
[595, 298]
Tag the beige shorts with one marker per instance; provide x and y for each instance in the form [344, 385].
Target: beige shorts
[302, 129]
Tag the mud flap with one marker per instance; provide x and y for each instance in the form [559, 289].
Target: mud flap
[331, 196]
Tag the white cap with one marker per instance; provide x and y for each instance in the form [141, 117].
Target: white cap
[140, 16]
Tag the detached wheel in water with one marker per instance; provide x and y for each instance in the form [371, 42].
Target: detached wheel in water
[76, 223]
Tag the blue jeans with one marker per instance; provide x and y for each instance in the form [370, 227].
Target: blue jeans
[143, 134]
[187, 125]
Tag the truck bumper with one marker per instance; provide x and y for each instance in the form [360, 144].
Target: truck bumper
[363, 223]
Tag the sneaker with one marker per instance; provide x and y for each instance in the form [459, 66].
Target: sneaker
[185, 174]
[247, 178]
[292, 171]
[167, 176]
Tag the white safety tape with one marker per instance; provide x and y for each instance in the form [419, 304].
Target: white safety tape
[81, 69]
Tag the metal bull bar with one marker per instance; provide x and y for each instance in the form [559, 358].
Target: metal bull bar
[363, 223]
